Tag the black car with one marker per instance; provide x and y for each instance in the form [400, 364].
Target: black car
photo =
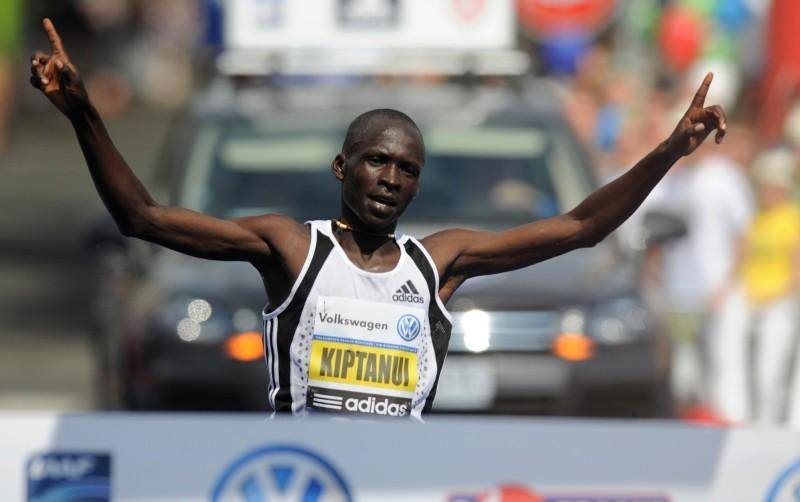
[570, 336]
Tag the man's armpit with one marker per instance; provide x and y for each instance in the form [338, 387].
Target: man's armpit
[446, 247]
[288, 240]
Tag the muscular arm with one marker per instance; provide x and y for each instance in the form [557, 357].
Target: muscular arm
[131, 206]
[482, 253]
[460, 254]
[138, 215]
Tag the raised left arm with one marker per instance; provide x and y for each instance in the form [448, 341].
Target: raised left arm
[460, 254]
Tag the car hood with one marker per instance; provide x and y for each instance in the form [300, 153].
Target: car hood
[581, 277]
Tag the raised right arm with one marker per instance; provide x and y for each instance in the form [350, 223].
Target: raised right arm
[138, 215]
[131, 206]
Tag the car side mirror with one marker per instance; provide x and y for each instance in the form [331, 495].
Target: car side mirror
[661, 227]
[105, 243]
[103, 236]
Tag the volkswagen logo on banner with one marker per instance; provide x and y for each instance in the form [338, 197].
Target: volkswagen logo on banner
[281, 472]
[408, 327]
[787, 487]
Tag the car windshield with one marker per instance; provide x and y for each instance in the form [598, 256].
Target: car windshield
[481, 175]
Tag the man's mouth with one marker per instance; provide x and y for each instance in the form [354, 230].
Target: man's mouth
[383, 200]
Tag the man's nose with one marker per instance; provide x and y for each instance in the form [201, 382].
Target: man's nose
[390, 176]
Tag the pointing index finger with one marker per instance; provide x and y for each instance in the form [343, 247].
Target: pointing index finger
[700, 96]
[52, 35]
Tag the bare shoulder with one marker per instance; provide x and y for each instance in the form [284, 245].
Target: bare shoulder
[445, 246]
[274, 228]
[447, 239]
[288, 239]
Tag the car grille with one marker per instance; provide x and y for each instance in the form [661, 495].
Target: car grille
[510, 331]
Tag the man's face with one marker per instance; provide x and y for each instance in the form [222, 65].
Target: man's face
[380, 175]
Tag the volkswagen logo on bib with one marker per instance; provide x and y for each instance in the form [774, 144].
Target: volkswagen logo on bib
[408, 327]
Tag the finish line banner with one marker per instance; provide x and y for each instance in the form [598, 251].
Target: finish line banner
[216, 457]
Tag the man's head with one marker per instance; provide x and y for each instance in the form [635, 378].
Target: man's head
[774, 172]
[379, 167]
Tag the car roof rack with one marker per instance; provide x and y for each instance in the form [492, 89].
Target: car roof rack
[382, 62]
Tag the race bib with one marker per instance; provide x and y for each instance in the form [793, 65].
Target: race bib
[364, 357]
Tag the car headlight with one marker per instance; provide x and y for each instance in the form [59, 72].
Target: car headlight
[571, 343]
[203, 320]
[618, 321]
[475, 324]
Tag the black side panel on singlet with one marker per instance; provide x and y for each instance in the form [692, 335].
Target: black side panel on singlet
[289, 319]
[438, 322]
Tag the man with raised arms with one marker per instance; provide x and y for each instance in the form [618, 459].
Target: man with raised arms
[356, 321]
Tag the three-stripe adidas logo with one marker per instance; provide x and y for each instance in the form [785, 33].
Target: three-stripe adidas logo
[327, 401]
[408, 293]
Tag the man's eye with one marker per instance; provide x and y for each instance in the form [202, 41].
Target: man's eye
[375, 160]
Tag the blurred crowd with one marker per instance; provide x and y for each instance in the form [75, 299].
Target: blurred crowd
[130, 51]
[727, 290]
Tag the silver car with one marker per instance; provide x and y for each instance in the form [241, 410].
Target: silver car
[570, 336]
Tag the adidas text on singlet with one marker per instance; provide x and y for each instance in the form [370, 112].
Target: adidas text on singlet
[350, 341]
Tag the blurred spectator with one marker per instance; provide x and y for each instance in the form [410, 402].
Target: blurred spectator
[109, 22]
[760, 298]
[711, 194]
[791, 126]
[171, 31]
[585, 94]
[611, 115]
[11, 18]
[132, 49]
[642, 129]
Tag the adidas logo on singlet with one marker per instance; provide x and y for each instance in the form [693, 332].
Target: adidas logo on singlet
[408, 293]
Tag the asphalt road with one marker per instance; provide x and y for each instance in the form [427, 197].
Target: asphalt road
[47, 203]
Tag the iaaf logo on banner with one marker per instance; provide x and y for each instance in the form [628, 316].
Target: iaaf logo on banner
[469, 10]
[515, 493]
[56, 476]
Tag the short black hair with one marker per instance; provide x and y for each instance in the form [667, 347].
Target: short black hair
[361, 124]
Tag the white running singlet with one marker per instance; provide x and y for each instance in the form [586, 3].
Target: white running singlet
[350, 341]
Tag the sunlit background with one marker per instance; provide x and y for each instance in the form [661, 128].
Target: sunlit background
[237, 107]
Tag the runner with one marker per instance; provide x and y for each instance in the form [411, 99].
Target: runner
[356, 319]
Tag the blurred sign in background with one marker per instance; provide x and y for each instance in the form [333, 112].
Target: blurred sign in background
[615, 74]
[353, 24]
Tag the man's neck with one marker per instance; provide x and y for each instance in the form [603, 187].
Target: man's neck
[370, 251]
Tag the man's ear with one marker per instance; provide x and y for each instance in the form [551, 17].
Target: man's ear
[338, 166]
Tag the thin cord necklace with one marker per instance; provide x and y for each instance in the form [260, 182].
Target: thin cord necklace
[347, 228]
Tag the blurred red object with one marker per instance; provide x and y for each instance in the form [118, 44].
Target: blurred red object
[512, 493]
[546, 18]
[702, 415]
[681, 37]
[781, 77]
